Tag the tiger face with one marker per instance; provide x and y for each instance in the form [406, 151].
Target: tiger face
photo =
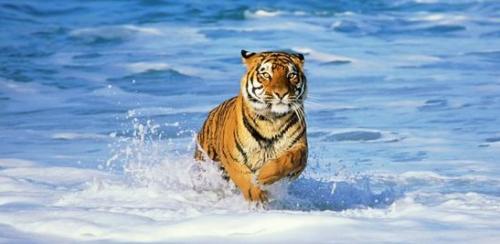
[275, 82]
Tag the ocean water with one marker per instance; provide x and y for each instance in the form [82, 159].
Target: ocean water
[100, 100]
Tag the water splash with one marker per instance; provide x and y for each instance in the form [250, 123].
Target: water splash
[148, 159]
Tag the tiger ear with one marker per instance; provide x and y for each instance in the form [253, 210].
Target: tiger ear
[300, 56]
[246, 54]
[247, 57]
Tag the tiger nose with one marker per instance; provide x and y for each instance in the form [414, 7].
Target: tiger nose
[281, 94]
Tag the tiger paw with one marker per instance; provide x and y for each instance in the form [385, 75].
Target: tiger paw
[255, 194]
[270, 173]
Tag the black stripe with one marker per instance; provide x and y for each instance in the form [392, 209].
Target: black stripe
[255, 88]
[251, 96]
[264, 141]
[253, 132]
[201, 134]
[209, 152]
[230, 155]
[220, 121]
[249, 76]
[279, 116]
[290, 123]
[262, 117]
[297, 138]
[247, 114]
[224, 111]
[240, 149]
[252, 93]
[303, 88]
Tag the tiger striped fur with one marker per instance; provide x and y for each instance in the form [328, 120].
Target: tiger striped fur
[259, 136]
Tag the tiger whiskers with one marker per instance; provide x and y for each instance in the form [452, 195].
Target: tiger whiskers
[267, 97]
[315, 104]
[313, 97]
[299, 111]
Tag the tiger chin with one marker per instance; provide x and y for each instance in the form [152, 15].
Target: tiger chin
[259, 136]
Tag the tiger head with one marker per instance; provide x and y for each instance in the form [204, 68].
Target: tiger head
[274, 82]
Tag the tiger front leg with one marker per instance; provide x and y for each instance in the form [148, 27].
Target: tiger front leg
[290, 164]
[242, 177]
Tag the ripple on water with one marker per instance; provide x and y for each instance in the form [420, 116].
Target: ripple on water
[159, 82]
[354, 136]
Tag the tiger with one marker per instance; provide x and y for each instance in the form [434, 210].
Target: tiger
[259, 137]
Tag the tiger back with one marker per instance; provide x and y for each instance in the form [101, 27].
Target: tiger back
[259, 136]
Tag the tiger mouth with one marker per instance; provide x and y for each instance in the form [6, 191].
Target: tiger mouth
[283, 107]
[280, 107]
[275, 107]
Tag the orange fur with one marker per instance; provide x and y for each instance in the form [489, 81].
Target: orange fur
[259, 137]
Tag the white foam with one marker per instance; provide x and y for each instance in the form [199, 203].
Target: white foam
[270, 25]
[53, 175]
[175, 200]
[138, 67]
[132, 214]
[17, 87]
[151, 33]
[261, 14]
[115, 31]
[421, 58]
[487, 88]
[145, 66]
[321, 56]
[440, 18]
[163, 196]
[404, 104]
[385, 136]
[494, 145]
[77, 136]
[156, 111]
[426, 1]
[15, 162]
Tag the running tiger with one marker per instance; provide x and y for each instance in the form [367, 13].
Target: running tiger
[259, 137]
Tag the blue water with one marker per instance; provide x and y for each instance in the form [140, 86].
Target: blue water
[394, 86]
